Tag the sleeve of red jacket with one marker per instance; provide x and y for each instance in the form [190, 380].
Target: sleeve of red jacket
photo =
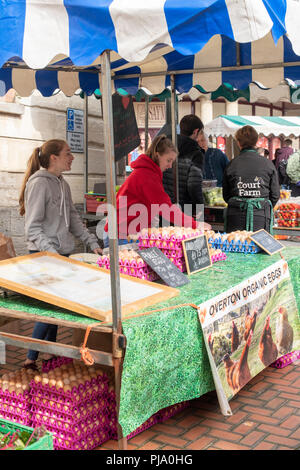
[162, 205]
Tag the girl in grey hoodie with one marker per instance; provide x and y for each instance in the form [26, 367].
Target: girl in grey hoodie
[51, 219]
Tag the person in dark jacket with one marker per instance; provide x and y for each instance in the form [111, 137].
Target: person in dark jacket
[190, 166]
[215, 160]
[250, 186]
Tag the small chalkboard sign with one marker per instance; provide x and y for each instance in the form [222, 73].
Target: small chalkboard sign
[266, 242]
[166, 270]
[126, 133]
[196, 253]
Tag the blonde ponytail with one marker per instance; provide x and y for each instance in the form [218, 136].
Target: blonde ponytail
[40, 157]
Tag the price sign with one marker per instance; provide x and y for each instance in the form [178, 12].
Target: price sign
[266, 242]
[196, 253]
[166, 270]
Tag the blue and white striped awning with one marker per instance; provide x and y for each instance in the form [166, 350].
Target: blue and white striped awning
[203, 42]
[225, 126]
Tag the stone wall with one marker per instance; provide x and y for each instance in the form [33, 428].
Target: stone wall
[26, 123]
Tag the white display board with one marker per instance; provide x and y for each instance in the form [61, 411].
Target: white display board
[77, 286]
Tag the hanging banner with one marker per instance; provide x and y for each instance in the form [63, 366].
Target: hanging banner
[248, 327]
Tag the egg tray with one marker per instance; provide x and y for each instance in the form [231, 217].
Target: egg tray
[22, 400]
[159, 417]
[20, 418]
[285, 360]
[70, 429]
[79, 415]
[90, 442]
[70, 411]
[145, 273]
[218, 257]
[172, 410]
[77, 395]
[161, 244]
[233, 247]
[55, 362]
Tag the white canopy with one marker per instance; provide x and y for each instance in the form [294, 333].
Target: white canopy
[226, 126]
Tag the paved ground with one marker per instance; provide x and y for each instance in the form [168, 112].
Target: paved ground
[266, 414]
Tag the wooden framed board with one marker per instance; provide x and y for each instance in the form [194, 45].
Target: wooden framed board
[196, 253]
[266, 242]
[77, 286]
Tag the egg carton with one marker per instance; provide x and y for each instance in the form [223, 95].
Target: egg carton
[71, 411]
[77, 415]
[55, 362]
[154, 419]
[168, 237]
[233, 247]
[11, 398]
[20, 418]
[87, 391]
[105, 261]
[172, 410]
[73, 430]
[159, 417]
[173, 253]
[145, 273]
[285, 360]
[161, 244]
[218, 257]
[90, 442]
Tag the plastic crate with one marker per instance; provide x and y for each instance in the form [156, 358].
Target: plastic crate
[93, 201]
[44, 443]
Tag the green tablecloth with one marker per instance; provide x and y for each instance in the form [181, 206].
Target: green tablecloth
[166, 360]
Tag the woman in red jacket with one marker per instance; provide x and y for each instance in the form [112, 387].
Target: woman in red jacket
[142, 197]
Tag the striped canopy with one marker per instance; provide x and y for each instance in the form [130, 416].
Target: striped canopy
[202, 42]
[226, 126]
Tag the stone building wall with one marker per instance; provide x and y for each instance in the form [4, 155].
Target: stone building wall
[26, 123]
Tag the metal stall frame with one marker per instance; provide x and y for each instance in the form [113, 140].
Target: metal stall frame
[118, 339]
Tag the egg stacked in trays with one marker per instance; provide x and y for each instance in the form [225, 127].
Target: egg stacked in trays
[238, 241]
[169, 241]
[130, 263]
[15, 396]
[71, 402]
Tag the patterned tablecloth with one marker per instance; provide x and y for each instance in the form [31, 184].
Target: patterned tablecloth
[166, 360]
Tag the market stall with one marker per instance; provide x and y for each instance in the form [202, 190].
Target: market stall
[68, 58]
[166, 359]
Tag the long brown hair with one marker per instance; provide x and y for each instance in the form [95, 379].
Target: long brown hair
[160, 144]
[40, 157]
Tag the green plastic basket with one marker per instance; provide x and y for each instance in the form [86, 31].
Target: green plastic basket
[44, 443]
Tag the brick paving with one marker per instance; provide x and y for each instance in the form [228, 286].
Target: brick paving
[266, 414]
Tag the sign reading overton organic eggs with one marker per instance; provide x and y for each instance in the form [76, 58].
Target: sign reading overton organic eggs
[249, 326]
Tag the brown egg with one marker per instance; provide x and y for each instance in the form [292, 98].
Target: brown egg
[59, 384]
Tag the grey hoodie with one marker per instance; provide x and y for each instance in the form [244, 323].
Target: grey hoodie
[50, 215]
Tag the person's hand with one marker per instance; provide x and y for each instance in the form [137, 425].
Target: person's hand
[98, 251]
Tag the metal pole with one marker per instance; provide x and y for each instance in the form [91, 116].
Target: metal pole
[86, 143]
[174, 136]
[107, 112]
[146, 121]
[110, 187]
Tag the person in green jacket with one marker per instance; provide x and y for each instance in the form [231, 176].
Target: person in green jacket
[293, 172]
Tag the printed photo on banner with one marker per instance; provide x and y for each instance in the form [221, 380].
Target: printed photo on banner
[251, 325]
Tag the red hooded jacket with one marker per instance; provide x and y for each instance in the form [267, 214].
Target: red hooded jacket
[142, 197]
